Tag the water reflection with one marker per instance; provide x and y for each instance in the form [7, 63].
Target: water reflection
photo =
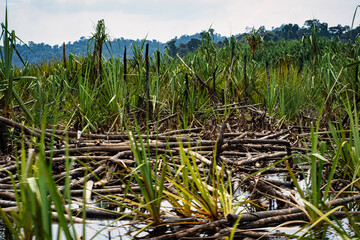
[5, 234]
[102, 230]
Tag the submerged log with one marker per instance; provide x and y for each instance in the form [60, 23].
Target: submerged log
[250, 217]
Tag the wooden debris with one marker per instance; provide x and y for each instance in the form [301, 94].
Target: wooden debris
[102, 164]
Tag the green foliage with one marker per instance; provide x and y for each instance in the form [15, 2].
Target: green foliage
[35, 194]
[7, 88]
[254, 40]
[151, 188]
[297, 86]
[194, 197]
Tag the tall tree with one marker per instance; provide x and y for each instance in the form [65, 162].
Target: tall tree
[254, 40]
[172, 47]
[99, 38]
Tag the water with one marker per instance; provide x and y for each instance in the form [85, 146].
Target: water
[110, 229]
[5, 234]
[98, 229]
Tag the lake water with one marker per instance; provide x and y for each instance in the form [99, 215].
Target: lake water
[99, 230]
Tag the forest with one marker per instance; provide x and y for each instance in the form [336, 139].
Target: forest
[36, 53]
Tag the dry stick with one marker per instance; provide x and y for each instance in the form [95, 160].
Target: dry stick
[8, 186]
[158, 59]
[236, 134]
[278, 182]
[201, 158]
[241, 233]
[269, 191]
[97, 213]
[233, 106]
[277, 134]
[18, 106]
[122, 147]
[180, 131]
[170, 220]
[241, 104]
[245, 82]
[214, 83]
[124, 137]
[194, 230]
[268, 75]
[260, 112]
[64, 55]
[111, 169]
[220, 142]
[7, 179]
[125, 83]
[34, 131]
[270, 221]
[250, 217]
[7, 195]
[88, 190]
[259, 141]
[267, 171]
[112, 190]
[55, 216]
[115, 148]
[9, 209]
[261, 157]
[5, 203]
[162, 120]
[87, 178]
[73, 173]
[27, 130]
[197, 77]
[10, 168]
[116, 157]
[147, 87]
[82, 157]
[264, 147]
[223, 96]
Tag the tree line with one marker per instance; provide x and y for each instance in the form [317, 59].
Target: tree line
[35, 53]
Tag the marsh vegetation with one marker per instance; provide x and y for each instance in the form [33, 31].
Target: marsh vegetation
[244, 140]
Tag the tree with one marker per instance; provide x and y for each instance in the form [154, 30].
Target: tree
[309, 24]
[193, 44]
[254, 40]
[99, 38]
[289, 31]
[338, 30]
[172, 47]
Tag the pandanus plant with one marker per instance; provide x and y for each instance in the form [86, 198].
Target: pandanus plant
[254, 40]
[99, 38]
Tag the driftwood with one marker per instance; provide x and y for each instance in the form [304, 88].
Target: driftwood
[102, 164]
[251, 217]
[194, 230]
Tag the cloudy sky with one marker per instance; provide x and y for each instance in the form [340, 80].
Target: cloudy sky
[57, 21]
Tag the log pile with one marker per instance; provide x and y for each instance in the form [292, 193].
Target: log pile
[243, 143]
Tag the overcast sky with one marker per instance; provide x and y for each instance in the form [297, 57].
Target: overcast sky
[57, 21]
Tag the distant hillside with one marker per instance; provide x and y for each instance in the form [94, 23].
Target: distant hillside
[184, 44]
[35, 53]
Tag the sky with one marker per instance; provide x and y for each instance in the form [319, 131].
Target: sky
[57, 21]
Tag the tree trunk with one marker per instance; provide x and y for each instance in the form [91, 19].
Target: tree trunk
[3, 138]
